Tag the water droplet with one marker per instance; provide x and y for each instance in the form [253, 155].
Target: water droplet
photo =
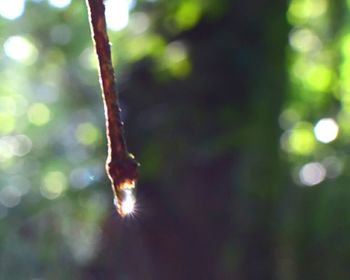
[125, 200]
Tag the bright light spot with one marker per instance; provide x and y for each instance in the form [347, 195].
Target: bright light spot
[39, 114]
[87, 133]
[128, 204]
[10, 196]
[117, 14]
[326, 130]
[20, 49]
[11, 9]
[18, 145]
[131, 4]
[300, 11]
[304, 40]
[318, 77]
[299, 140]
[312, 174]
[128, 185]
[188, 14]
[54, 183]
[60, 3]
[21, 145]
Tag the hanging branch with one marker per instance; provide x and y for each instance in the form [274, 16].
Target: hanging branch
[121, 166]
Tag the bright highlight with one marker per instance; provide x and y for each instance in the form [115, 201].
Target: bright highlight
[60, 3]
[312, 174]
[39, 114]
[117, 14]
[20, 49]
[126, 205]
[326, 130]
[11, 9]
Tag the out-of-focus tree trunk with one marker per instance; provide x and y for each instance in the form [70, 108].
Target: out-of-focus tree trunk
[212, 211]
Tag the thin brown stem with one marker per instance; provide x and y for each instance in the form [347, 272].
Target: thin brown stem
[121, 166]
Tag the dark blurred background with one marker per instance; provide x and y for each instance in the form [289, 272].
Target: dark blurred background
[238, 111]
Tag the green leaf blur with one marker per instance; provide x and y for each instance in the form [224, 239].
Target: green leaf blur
[238, 111]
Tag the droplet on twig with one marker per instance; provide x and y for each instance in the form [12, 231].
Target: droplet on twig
[125, 199]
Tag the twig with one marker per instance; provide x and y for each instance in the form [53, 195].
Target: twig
[121, 166]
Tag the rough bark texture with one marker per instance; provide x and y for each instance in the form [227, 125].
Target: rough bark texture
[121, 166]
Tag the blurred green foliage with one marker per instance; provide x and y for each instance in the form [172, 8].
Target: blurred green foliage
[240, 122]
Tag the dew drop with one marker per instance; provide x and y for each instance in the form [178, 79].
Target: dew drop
[125, 201]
